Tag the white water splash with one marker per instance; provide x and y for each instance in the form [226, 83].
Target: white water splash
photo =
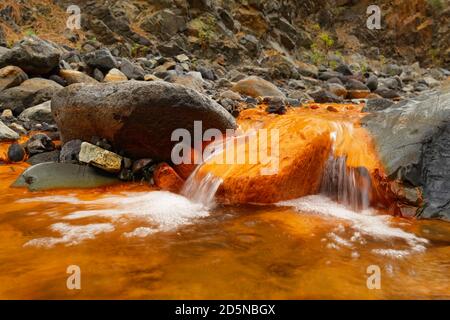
[140, 232]
[71, 234]
[164, 211]
[366, 223]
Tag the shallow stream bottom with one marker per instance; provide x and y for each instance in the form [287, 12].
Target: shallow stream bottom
[131, 243]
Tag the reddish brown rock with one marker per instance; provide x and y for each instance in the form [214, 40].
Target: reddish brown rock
[167, 179]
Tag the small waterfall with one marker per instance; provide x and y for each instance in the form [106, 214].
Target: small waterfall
[345, 184]
[346, 176]
[201, 189]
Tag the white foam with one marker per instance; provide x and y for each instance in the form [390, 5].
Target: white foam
[366, 222]
[140, 232]
[71, 234]
[166, 210]
[55, 199]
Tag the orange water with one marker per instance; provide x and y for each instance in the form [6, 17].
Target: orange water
[319, 250]
[254, 252]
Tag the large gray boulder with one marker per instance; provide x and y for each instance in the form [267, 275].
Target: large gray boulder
[136, 117]
[33, 55]
[30, 93]
[413, 141]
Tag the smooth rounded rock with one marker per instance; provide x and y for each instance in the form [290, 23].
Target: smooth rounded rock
[136, 117]
[16, 152]
[257, 87]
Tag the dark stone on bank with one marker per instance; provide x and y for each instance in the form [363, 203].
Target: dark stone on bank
[324, 96]
[39, 143]
[33, 55]
[16, 152]
[377, 105]
[52, 156]
[70, 151]
[101, 59]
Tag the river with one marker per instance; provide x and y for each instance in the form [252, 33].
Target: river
[132, 242]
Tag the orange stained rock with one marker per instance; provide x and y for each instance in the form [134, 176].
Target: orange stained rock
[307, 136]
[166, 178]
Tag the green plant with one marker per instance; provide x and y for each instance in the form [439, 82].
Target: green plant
[364, 67]
[138, 50]
[203, 28]
[320, 48]
[30, 32]
[333, 64]
[316, 27]
[327, 41]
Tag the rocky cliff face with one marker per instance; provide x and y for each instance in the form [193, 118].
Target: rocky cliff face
[242, 30]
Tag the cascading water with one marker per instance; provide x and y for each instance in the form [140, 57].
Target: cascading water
[320, 152]
[350, 186]
[201, 190]
[343, 183]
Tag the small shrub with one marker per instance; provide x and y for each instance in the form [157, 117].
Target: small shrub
[327, 41]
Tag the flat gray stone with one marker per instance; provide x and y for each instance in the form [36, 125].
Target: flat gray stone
[51, 175]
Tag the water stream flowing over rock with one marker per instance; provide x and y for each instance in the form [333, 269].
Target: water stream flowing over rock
[318, 152]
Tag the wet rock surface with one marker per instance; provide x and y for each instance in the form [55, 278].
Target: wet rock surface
[412, 139]
[7, 134]
[100, 158]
